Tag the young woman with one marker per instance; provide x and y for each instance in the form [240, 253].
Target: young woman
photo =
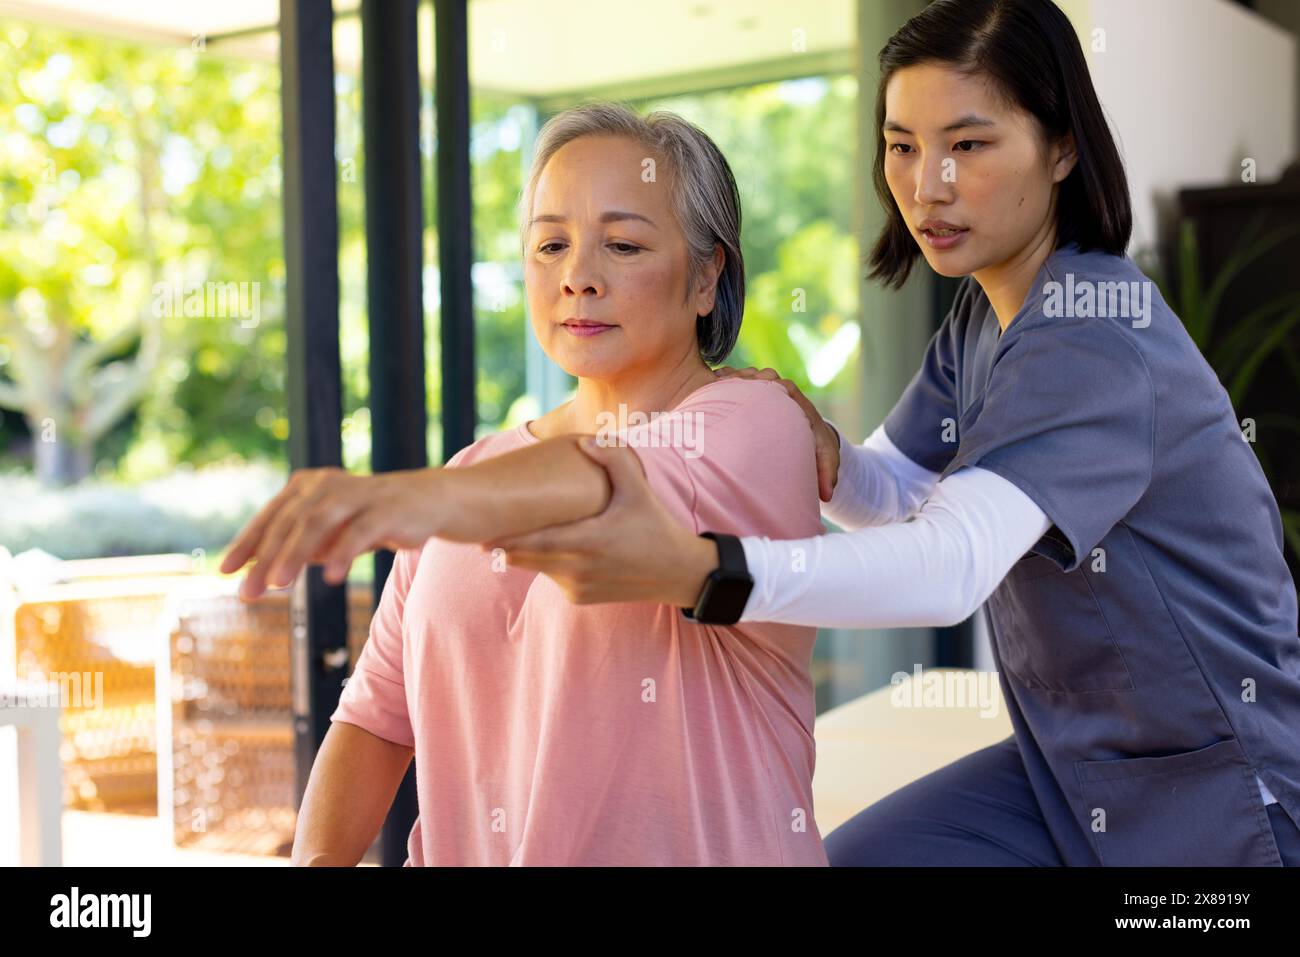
[544, 732]
[1065, 454]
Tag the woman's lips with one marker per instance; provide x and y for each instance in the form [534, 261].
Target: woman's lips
[936, 241]
[586, 328]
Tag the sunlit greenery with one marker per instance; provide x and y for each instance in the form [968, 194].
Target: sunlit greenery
[123, 166]
[130, 170]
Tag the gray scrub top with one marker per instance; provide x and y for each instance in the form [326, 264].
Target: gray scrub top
[1147, 644]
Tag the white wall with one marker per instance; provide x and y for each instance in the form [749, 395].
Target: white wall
[1286, 14]
[1191, 87]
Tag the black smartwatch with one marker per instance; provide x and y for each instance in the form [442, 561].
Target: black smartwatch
[726, 590]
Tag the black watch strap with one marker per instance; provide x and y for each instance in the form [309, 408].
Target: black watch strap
[726, 591]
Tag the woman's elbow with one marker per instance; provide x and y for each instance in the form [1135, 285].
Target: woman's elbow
[320, 857]
[956, 611]
[311, 857]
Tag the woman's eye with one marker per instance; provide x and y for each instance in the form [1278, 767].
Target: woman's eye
[624, 248]
[895, 146]
[547, 247]
[971, 142]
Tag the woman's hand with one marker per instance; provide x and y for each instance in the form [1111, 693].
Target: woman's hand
[328, 516]
[826, 439]
[632, 551]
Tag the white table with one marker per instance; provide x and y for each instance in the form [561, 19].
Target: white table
[40, 777]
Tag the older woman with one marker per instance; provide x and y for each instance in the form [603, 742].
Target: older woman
[546, 732]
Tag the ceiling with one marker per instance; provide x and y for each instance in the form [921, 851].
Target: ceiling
[527, 47]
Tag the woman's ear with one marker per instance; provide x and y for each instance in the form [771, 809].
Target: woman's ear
[1064, 156]
[707, 289]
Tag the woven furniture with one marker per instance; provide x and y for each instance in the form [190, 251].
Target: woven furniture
[233, 766]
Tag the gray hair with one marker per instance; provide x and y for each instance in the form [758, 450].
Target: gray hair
[703, 197]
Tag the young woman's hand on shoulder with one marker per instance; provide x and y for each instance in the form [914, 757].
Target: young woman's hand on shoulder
[826, 439]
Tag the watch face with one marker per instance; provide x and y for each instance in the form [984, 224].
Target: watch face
[726, 590]
[725, 599]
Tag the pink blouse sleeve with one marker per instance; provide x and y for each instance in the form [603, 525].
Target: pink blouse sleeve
[374, 697]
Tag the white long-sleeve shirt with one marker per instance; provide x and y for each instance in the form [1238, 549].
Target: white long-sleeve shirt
[915, 552]
[888, 570]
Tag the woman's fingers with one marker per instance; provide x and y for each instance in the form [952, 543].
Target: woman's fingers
[344, 518]
[827, 453]
[268, 548]
[626, 473]
[552, 540]
[569, 572]
[749, 372]
[826, 447]
[828, 465]
[555, 564]
[282, 521]
[369, 529]
[803, 401]
[278, 532]
[314, 526]
[245, 544]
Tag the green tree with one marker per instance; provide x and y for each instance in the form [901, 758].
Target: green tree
[128, 171]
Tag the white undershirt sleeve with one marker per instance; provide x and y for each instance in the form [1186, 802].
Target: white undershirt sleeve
[877, 483]
[935, 569]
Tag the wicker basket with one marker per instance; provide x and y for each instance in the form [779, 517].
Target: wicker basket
[232, 723]
[232, 745]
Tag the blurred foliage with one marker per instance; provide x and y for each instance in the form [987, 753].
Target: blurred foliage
[124, 165]
[500, 132]
[191, 511]
[790, 146]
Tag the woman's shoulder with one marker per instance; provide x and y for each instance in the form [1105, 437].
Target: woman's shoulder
[734, 403]
[753, 463]
[494, 443]
[738, 391]
[1090, 265]
[749, 421]
[1094, 294]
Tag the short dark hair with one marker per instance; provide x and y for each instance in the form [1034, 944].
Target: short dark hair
[1030, 51]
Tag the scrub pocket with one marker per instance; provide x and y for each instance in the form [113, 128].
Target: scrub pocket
[1197, 808]
[1053, 635]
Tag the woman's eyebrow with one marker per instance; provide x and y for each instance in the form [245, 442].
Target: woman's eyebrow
[969, 120]
[610, 216]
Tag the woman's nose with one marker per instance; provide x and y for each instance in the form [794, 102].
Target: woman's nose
[581, 275]
[934, 180]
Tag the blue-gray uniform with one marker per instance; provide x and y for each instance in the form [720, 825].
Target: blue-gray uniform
[1147, 644]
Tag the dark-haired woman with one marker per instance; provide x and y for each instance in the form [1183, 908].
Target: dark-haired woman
[1063, 454]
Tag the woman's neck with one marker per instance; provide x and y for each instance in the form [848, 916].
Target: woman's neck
[650, 390]
[1007, 284]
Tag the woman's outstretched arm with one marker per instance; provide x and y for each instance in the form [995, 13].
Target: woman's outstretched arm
[539, 485]
[328, 516]
[349, 792]
[932, 570]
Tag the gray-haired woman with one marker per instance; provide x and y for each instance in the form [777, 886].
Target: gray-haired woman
[547, 732]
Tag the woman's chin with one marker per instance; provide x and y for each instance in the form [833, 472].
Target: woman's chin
[586, 364]
[952, 264]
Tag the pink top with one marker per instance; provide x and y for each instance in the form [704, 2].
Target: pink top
[547, 733]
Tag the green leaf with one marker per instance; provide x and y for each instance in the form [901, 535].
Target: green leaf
[1270, 342]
